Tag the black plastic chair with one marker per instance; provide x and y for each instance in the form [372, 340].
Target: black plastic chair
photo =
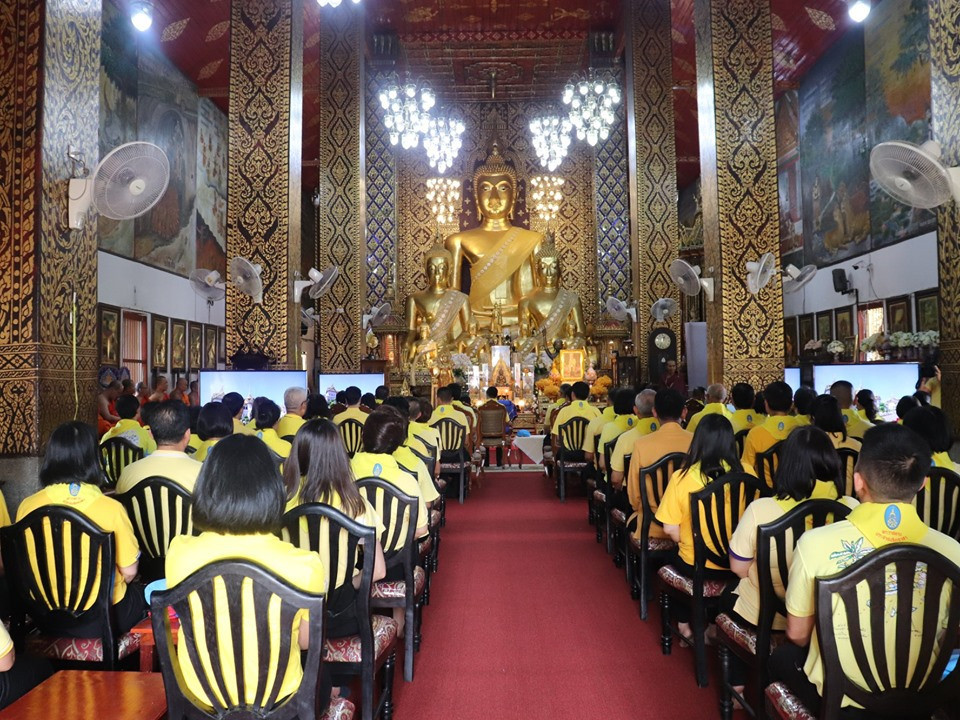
[767, 463]
[159, 510]
[938, 502]
[399, 513]
[595, 496]
[848, 461]
[453, 439]
[570, 438]
[753, 645]
[351, 431]
[741, 438]
[430, 460]
[54, 604]
[715, 513]
[115, 454]
[338, 540]
[908, 686]
[644, 553]
[288, 438]
[597, 504]
[215, 675]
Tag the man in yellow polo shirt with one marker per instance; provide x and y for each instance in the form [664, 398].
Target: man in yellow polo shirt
[446, 411]
[647, 423]
[578, 407]
[420, 434]
[171, 429]
[295, 405]
[128, 427]
[856, 425]
[744, 417]
[268, 415]
[456, 389]
[778, 398]
[234, 402]
[566, 395]
[352, 397]
[716, 397]
[405, 456]
[891, 469]
[601, 430]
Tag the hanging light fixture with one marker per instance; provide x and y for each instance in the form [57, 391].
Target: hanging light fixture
[551, 139]
[407, 109]
[141, 15]
[443, 194]
[592, 98]
[546, 196]
[334, 3]
[443, 141]
[858, 10]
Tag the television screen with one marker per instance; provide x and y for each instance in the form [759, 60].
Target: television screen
[214, 384]
[329, 384]
[889, 382]
[791, 376]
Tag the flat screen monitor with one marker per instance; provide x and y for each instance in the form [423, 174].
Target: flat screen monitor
[889, 381]
[214, 384]
[791, 376]
[329, 384]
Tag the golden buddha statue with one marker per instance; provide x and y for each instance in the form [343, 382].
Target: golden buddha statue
[555, 312]
[472, 343]
[437, 317]
[499, 254]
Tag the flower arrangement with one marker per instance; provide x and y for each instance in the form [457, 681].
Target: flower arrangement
[549, 388]
[901, 339]
[926, 338]
[601, 386]
[813, 345]
[873, 342]
[836, 347]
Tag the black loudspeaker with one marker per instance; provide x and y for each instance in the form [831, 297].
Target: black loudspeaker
[840, 282]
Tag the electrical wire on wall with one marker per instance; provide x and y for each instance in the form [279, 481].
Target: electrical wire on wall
[73, 333]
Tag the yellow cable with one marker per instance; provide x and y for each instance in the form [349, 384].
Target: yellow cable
[76, 389]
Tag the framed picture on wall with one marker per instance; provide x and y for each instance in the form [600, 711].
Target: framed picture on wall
[898, 315]
[806, 330]
[108, 334]
[194, 347]
[209, 347]
[160, 332]
[843, 317]
[928, 311]
[791, 346]
[178, 346]
[222, 345]
[825, 326]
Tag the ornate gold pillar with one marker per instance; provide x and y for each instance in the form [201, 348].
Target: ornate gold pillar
[263, 200]
[945, 106]
[340, 239]
[49, 101]
[738, 165]
[653, 162]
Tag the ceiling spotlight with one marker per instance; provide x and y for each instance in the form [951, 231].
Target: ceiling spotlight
[333, 3]
[858, 10]
[141, 15]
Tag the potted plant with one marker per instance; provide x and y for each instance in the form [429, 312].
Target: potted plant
[836, 348]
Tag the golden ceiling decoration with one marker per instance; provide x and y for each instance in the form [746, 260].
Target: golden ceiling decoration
[174, 30]
[678, 36]
[209, 69]
[312, 41]
[821, 19]
[776, 22]
[217, 31]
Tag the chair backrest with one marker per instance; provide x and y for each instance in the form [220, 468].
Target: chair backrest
[911, 595]
[243, 594]
[159, 509]
[399, 513]
[607, 453]
[351, 431]
[715, 512]
[453, 435]
[938, 502]
[60, 588]
[289, 438]
[493, 420]
[653, 483]
[848, 461]
[572, 433]
[775, 544]
[432, 450]
[767, 463]
[115, 454]
[741, 438]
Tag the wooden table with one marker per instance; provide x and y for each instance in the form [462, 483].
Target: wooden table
[100, 694]
[148, 643]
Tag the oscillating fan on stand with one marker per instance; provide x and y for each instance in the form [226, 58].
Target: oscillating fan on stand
[914, 174]
[687, 278]
[664, 309]
[621, 311]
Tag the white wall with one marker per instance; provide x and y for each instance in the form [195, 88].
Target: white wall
[902, 269]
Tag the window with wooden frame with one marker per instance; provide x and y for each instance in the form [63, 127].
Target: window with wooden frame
[133, 348]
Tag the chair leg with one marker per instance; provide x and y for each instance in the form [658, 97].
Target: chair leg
[409, 642]
[608, 526]
[590, 509]
[418, 619]
[632, 573]
[563, 484]
[699, 643]
[644, 585]
[463, 483]
[726, 697]
[619, 546]
[595, 509]
[666, 634]
[388, 668]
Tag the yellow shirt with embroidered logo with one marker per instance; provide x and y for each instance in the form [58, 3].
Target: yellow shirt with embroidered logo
[594, 427]
[856, 426]
[576, 409]
[614, 429]
[177, 466]
[411, 463]
[448, 412]
[625, 442]
[419, 433]
[273, 441]
[351, 413]
[828, 550]
[134, 432]
[744, 420]
[763, 437]
[106, 512]
[301, 568]
[289, 425]
[708, 409]
[240, 428]
[385, 467]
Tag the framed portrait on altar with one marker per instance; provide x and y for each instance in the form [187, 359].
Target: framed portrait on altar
[825, 326]
[222, 345]
[178, 346]
[159, 326]
[898, 315]
[209, 347]
[108, 334]
[194, 347]
[928, 311]
[806, 330]
[791, 345]
[573, 365]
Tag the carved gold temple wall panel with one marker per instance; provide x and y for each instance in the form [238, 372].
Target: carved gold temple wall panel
[738, 154]
[342, 204]
[263, 202]
[509, 122]
[945, 97]
[381, 172]
[653, 135]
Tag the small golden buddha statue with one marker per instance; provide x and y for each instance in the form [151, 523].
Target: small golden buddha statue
[499, 254]
[473, 344]
[438, 315]
[554, 311]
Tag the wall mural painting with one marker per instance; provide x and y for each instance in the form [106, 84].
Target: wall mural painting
[898, 105]
[212, 136]
[834, 155]
[787, 110]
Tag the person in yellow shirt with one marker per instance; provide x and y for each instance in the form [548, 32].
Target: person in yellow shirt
[601, 430]
[778, 399]
[234, 402]
[578, 408]
[266, 417]
[18, 675]
[930, 377]
[420, 434]
[891, 469]
[238, 504]
[406, 458]
[931, 424]
[716, 397]
[566, 395]
[129, 427]
[647, 423]
[381, 394]
[825, 414]
[352, 397]
[743, 417]
[213, 425]
[171, 430]
[803, 399]
[194, 443]
[295, 404]
[456, 390]
[856, 425]
[71, 477]
[446, 411]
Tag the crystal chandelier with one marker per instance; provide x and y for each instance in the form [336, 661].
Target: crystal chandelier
[443, 141]
[592, 99]
[334, 3]
[407, 111]
[546, 196]
[551, 138]
[443, 194]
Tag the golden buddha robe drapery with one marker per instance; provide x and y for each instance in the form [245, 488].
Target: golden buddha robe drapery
[499, 265]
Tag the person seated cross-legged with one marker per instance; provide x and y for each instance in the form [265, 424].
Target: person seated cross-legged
[891, 468]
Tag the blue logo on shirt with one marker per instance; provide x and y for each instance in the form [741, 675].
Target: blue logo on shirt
[846, 419]
[377, 469]
[780, 426]
[74, 489]
[891, 517]
[629, 422]
[653, 426]
[749, 418]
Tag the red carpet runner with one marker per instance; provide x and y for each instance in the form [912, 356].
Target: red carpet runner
[530, 620]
